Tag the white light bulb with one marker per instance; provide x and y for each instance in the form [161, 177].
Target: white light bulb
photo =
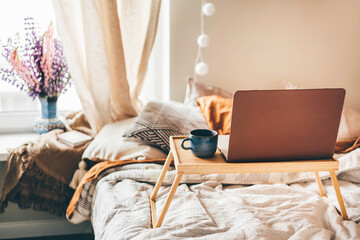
[203, 40]
[208, 9]
[201, 69]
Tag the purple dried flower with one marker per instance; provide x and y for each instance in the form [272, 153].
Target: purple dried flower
[38, 65]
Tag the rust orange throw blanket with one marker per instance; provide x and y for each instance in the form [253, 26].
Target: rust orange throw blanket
[217, 113]
[94, 172]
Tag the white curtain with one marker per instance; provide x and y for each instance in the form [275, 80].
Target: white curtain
[107, 44]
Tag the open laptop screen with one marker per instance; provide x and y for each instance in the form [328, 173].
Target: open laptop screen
[273, 125]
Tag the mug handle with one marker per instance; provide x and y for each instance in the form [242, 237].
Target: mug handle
[182, 143]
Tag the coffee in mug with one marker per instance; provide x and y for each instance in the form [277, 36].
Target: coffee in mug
[203, 142]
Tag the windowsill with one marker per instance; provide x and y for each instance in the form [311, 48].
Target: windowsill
[13, 140]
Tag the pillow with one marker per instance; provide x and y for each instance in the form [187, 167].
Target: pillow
[109, 144]
[159, 120]
[195, 89]
[217, 112]
[349, 128]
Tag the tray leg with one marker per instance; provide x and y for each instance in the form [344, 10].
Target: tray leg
[158, 185]
[338, 195]
[320, 185]
[162, 175]
[168, 200]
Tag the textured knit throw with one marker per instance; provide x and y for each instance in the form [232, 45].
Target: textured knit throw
[38, 173]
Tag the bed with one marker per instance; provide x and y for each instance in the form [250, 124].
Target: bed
[209, 207]
[115, 194]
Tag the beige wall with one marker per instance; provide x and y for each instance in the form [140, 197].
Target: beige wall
[259, 44]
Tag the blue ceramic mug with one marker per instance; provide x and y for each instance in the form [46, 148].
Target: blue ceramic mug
[203, 142]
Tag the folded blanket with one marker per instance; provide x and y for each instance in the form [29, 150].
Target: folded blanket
[38, 173]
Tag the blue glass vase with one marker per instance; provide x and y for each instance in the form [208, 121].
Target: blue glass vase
[49, 119]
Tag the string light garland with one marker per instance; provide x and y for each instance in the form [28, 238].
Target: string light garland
[208, 9]
[203, 41]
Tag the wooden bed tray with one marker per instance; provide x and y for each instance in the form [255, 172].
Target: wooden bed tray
[187, 163]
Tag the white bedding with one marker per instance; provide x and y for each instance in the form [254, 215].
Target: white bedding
[213, 210]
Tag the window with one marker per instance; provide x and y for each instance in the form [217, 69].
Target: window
[157, 80]
[17, 109]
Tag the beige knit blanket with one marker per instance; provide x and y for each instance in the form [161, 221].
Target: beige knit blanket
[38, 173]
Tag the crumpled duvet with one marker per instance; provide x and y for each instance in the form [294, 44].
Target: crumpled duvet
[211, 210]
[280, 206]
[214, 210]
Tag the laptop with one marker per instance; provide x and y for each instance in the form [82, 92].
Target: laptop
[283, 125]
